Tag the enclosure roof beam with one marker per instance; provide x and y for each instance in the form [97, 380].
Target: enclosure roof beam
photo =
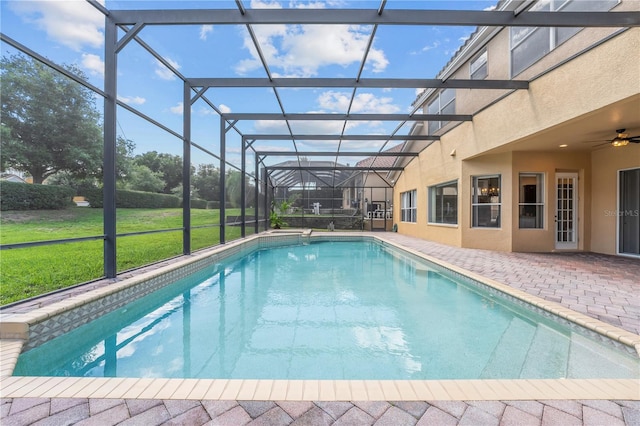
[340, 154]
[382, 83]
[351, 117]
[284, 137]
[332, 168]
[471, 18]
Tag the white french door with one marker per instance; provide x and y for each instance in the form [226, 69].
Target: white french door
[566, 211]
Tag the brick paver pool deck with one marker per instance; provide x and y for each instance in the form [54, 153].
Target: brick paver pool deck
[603, 287]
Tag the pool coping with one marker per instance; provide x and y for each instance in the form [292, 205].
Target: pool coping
[14, 332]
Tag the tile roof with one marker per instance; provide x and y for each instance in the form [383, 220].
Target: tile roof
[381, 161]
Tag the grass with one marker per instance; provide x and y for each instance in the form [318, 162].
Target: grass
[28, 272]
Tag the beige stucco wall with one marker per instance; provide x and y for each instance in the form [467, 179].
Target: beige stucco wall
[487, 238]
[427, 170]
[486, 145]
[604, 203]
[550, 163]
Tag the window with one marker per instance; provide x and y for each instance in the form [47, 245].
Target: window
[478, 67]
[443, 203]
[529, 44]
[444, 103]
[408, 206]
[531, 201]
[485, 202]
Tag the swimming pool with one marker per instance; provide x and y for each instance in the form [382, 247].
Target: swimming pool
[328, 310]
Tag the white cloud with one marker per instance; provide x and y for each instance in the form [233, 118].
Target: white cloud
[177, 109]
[73, 23]
[259, 4]
[313, 127]
[433, 45]
[133, 100]
[206, 110]
[205, 30]
[165, 73]
[93, 63]
[362, 103]
[301, 50]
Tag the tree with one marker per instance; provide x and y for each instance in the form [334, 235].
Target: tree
[52, 121]
[141, 178]
[207, 182]
[234, 184]
[234, 188]
[168, 165]
[124, 157]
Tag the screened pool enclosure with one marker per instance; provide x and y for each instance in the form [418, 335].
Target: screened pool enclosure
[232, 168]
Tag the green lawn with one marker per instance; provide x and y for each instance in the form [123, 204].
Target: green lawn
[28, 272]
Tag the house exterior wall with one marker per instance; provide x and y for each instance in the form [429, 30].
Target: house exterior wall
[551, 163]
[502, 138]
[604, 203]
[428, 170]
[487, 238]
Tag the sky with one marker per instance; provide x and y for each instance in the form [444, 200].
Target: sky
[72, 32]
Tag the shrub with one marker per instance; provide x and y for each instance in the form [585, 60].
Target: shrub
[134, 199]
[197, 203]
[211, 205]
[25, 196]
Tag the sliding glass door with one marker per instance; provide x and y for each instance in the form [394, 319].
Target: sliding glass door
[629, 212]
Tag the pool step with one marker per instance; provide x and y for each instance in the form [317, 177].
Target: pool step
[510, 353]
[548, 355]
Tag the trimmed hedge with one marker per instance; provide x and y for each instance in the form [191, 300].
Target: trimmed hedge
[213, 205]
[134, 199]
[197, 203]
[26, 196]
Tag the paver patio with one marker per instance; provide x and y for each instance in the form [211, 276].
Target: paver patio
[601, 286]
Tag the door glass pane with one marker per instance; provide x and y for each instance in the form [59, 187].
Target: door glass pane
[564, 216]
[629, 212]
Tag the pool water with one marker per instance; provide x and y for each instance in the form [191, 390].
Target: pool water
[327, 310]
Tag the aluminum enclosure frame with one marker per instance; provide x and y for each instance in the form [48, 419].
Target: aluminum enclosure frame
[133, 22]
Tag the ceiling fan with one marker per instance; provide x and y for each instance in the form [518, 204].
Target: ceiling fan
[621, 139]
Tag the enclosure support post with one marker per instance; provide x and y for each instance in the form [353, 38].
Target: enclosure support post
[267, 210]
[256, 198]
[109, 160]
[243, 190]
[186, 170]
[223, 192]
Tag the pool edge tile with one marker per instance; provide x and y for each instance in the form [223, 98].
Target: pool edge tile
[374, 390]
[184, 389]
[327, 390]
[151, 390]
[247, 390]
[263, 389]
[199, 389]
[389, 389]
[311, 390]
[358, 390]
[279, 390]
[295, 390]
[230, 391]
[216, 389]
[343, 390]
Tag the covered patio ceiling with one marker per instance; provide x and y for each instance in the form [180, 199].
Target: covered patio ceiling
[125, 26]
